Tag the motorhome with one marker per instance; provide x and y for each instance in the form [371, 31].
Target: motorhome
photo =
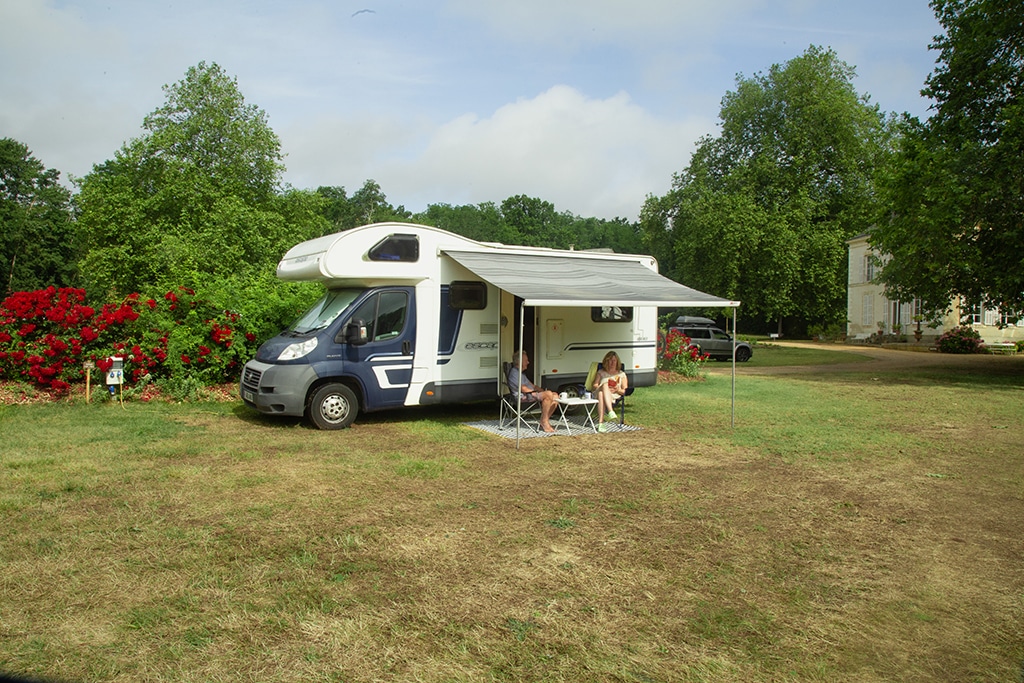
[414, 315]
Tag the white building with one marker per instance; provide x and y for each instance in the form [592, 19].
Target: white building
[868, 311]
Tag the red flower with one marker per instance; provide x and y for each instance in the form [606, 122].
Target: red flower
[26, 330]
[185, 359]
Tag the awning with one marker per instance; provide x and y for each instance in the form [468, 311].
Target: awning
[553, 280]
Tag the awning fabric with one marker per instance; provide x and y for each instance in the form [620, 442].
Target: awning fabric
[553, 280]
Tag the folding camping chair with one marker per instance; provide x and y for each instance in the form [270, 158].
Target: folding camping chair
[620, 403]
[510, 405]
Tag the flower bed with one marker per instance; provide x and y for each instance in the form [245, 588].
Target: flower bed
[680, 356]
[48, 336]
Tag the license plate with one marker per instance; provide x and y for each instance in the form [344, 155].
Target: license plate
[249, 396]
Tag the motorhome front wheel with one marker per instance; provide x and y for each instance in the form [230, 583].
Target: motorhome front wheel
[333, 406]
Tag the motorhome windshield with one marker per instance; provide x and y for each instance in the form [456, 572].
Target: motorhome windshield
[325, 311]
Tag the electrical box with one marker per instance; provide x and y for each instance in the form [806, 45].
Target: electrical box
[115, 375]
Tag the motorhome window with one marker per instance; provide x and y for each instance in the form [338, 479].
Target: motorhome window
[325, 311]
[611, 314]
[384, 315]
[468, 295]
[450, 321]
[391, 315]
[396, 248]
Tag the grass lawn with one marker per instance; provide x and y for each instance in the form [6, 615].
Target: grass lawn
[854, 526]
[768, 354]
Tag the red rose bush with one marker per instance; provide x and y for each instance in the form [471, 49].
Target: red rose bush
[48, 335]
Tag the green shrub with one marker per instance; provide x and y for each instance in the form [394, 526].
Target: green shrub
[963, 339]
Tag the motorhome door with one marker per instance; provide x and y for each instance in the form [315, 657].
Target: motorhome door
[384, 363]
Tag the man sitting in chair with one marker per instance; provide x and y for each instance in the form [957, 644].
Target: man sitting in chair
[517, 381]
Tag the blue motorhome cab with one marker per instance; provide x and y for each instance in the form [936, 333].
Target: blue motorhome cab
[414, 315]
[359, 340]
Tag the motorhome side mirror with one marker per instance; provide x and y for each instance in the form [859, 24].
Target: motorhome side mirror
[355, 332]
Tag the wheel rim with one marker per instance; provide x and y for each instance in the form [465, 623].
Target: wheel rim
[334, 408]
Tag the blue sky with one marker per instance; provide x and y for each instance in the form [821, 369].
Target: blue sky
[589, 104]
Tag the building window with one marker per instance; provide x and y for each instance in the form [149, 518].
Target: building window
[869, 268]
[867, 311]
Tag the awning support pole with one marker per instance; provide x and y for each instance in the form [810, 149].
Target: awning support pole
[519, 392]
[734, 367]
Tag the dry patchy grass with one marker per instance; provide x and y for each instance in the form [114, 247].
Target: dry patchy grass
[173, 543]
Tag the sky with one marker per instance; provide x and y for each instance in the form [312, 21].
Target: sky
[591, 105]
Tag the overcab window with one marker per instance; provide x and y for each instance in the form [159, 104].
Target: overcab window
[396, 248]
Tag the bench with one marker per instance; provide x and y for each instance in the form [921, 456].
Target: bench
[1008, 348]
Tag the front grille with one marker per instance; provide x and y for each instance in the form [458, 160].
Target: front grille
[251, 378]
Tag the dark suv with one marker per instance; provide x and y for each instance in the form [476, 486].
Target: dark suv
[709, 339]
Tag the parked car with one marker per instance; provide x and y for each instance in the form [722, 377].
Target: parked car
[709, 339]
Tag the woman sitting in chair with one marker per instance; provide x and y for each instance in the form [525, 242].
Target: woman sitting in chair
[610, 385]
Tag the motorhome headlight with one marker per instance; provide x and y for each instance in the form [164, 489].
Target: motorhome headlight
[298, 349]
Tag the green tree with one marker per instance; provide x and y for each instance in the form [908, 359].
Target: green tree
[534, 222]
[763, 211]
[482, 222]
[953, 222]
[196, 197]
[36, 233]
[617, 234]
[367, 205]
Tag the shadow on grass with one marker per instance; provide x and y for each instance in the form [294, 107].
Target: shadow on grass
[1001, 376]
[445, 414]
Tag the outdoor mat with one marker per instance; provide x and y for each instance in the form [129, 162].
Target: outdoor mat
[576, 428]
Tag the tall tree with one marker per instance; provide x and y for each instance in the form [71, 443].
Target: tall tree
[954, 212]
[197, 196]
[37, 247]
[367, 205]
[482, 222]
[763, 211]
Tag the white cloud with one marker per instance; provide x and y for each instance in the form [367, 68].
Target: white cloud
[589, 104]
[592, 157]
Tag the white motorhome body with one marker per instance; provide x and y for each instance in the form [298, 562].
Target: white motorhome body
[415, 315]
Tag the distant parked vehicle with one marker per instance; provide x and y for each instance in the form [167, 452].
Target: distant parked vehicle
[708, 338]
